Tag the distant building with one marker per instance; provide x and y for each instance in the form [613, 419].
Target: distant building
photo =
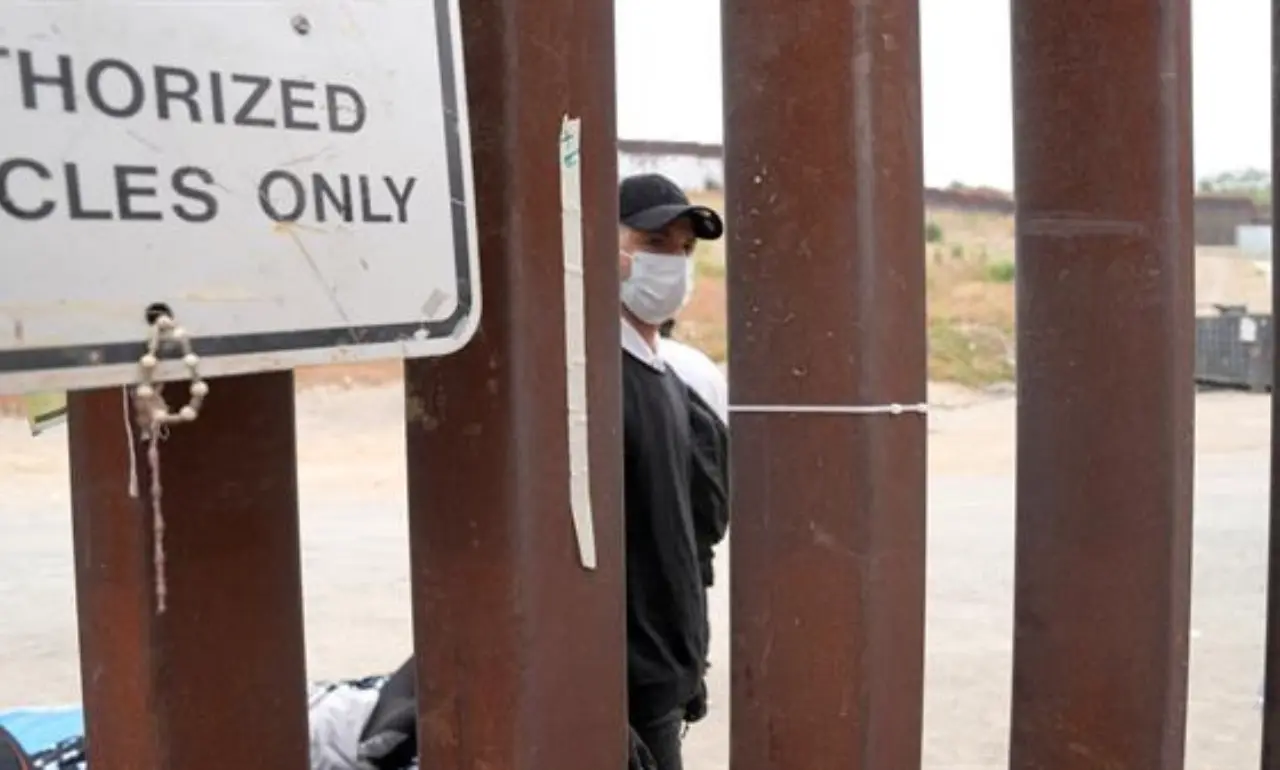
[969, 199]
[696, 166]
[691, 165]
[1218, 217]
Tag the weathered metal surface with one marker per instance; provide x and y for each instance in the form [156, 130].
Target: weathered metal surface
[1105, 415]
[114, 593]
[218, 679]
[826, 307]
[520, 649]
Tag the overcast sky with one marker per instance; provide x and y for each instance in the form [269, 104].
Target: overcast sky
[967, 109]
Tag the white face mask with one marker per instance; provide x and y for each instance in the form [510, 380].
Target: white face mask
[659, 285]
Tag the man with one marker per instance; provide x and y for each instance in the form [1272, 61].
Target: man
[664, 469]
[675, 497]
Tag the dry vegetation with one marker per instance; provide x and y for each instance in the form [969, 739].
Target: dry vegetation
[970, 297]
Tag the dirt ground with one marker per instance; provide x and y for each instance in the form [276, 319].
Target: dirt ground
[356, 568]
[1226, 276]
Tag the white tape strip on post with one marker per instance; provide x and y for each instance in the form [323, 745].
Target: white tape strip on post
[575, 338]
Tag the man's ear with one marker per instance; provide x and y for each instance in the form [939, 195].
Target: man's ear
[628, 240]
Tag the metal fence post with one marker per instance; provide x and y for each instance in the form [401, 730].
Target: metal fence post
[1102, 106]
[218, 678]
[520, 649]
[827, 331]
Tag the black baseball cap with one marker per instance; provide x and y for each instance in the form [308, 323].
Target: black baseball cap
[650, 202]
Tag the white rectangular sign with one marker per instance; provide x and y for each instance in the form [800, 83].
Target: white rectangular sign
[292, 180]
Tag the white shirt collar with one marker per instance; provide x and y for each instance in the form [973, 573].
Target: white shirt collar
[634, 343]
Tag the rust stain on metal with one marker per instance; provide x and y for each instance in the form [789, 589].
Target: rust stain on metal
[155, 689]
[113, 587]
[510, 631]
[418, 410]
[1073, 225]
[826, 301]
[1104, 418]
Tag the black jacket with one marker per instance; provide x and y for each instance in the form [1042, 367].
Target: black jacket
[710, 481]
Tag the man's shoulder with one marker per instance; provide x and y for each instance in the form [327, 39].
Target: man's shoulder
[688, 361]
[675, 350]
[698, 371]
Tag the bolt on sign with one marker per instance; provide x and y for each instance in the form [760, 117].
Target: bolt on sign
[291, 183]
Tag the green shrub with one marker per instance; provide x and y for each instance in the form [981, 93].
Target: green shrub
[932, 232]
[1001, 272]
